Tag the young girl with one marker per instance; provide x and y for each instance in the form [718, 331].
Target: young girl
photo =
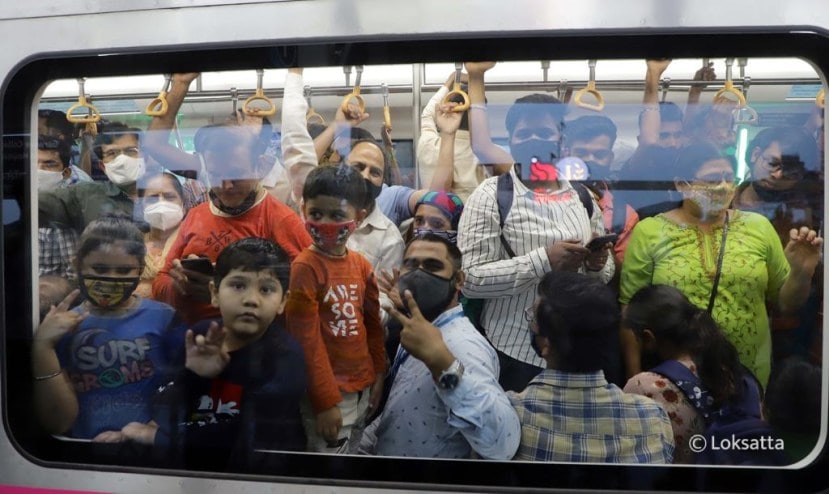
[96, 367]
[672, 328]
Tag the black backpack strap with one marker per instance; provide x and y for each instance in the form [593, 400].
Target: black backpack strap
[503, 195]
[585, 197]
[689, 384]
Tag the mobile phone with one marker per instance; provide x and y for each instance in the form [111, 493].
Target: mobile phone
[200, 265]
[599, 242]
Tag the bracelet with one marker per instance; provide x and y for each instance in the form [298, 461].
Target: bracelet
[650, 108]
[49, 376]
[478, 106]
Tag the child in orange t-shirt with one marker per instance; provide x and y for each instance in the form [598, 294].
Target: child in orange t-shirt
[333, 310]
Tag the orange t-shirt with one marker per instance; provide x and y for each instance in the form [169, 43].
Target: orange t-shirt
[205, 233]
[333, 310]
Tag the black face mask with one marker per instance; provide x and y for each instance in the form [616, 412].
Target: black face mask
[598, 172]
[373, 190]
[246, 204]
[431, 292]
[544, 151]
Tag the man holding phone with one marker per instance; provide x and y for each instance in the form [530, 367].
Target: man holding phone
[546, 228]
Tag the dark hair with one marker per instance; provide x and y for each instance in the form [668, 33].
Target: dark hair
[153, 173]
[534, 106]
[668, 112]
[589, 127]
[340, 181]
[671, 317]
[224, 137]
[111, 229]
[110, 131]
[62, 146]
[798, 149]
[452, 249]
[56, 119]
[254, 254]
[691, 158]
[386, 164]
[579, 315]
[793, 396]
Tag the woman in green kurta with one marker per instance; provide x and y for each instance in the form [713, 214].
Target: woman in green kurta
[680, 248]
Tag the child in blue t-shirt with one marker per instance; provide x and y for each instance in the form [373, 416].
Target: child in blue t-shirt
[96, 367]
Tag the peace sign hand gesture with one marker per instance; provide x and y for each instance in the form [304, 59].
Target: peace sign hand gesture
[59, 321]
[205, 354]
[421, 338]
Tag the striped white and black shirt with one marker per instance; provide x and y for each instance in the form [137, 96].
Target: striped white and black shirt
[535, 221]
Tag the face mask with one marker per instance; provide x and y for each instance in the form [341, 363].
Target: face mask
[163, 215]
[545, 152]
[373, 190]
[598, 172]
[450, 235]
[710, 199]
[234, 211]
[104, 292]
[48, 180]
[431, 292]
[330, 236]
[124, 170]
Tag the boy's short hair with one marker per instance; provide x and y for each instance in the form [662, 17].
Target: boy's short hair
[340, 181]
[254, 254]
[589, 127]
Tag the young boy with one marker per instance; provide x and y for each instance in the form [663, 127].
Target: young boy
[333, 310]
[244, 375]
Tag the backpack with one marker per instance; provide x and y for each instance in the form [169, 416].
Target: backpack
[474, 308]
[735, 434]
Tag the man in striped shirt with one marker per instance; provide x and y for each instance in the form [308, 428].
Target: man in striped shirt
[547, 226]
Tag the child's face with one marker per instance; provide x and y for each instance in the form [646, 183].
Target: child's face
[109, 275]
[328, 210]
[249, 302]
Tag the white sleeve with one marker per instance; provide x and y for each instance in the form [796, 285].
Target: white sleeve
[298, 154]
[428, 145]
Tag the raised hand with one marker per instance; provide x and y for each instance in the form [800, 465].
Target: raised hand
[478, 67]
[205, 354]
[387, 283]
[421, 338]
[185, 77]
[658, 67]
[59, 321]
[803, 250]
[353, 116]
[447, 120]
[704, 75]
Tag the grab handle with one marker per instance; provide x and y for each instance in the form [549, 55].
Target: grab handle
[457, 91]
[728, 88]
[311, 114]
[355, 93]
[158, 107]
[820, 99]
[590, 89]
[93, 115]
[386, 108]
[259, 96]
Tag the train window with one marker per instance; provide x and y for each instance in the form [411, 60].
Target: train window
[232, 264]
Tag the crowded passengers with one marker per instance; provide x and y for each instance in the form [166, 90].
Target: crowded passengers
[292, 295]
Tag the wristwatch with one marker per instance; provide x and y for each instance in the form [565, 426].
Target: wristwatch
[451, 377]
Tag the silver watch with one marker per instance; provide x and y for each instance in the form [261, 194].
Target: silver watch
[451, 377]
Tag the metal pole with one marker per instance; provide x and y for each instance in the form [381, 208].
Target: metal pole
[418, 76]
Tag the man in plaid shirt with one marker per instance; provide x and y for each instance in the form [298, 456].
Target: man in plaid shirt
[569, 412]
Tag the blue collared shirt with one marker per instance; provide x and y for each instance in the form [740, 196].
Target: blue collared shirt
[422, 420]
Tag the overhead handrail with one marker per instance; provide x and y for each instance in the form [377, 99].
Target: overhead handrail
[259, 96]
[820, 99]
[666, 85]
[457, 91]
[386, 107]
[158, 106]
[311, 114]
[590, 89]
[746, 81]
[729, 88]
[93, 115]
[355, 92]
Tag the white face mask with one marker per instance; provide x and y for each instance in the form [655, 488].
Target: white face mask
[163, 215]
[48, 180]
[124, 170]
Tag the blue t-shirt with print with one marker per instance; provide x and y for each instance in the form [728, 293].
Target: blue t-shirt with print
[116, 364]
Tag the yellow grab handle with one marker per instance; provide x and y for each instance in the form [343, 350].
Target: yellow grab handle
[311, 115]
[729, 88]
[94, 116]
[353, 95]
[259, 112]
[387, 117]
[820, 99]
[158, 106]
[457, 91]
[590, 89]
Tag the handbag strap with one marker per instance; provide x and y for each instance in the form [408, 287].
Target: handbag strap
[719, 265]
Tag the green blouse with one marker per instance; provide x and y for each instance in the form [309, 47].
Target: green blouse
[754, 268]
